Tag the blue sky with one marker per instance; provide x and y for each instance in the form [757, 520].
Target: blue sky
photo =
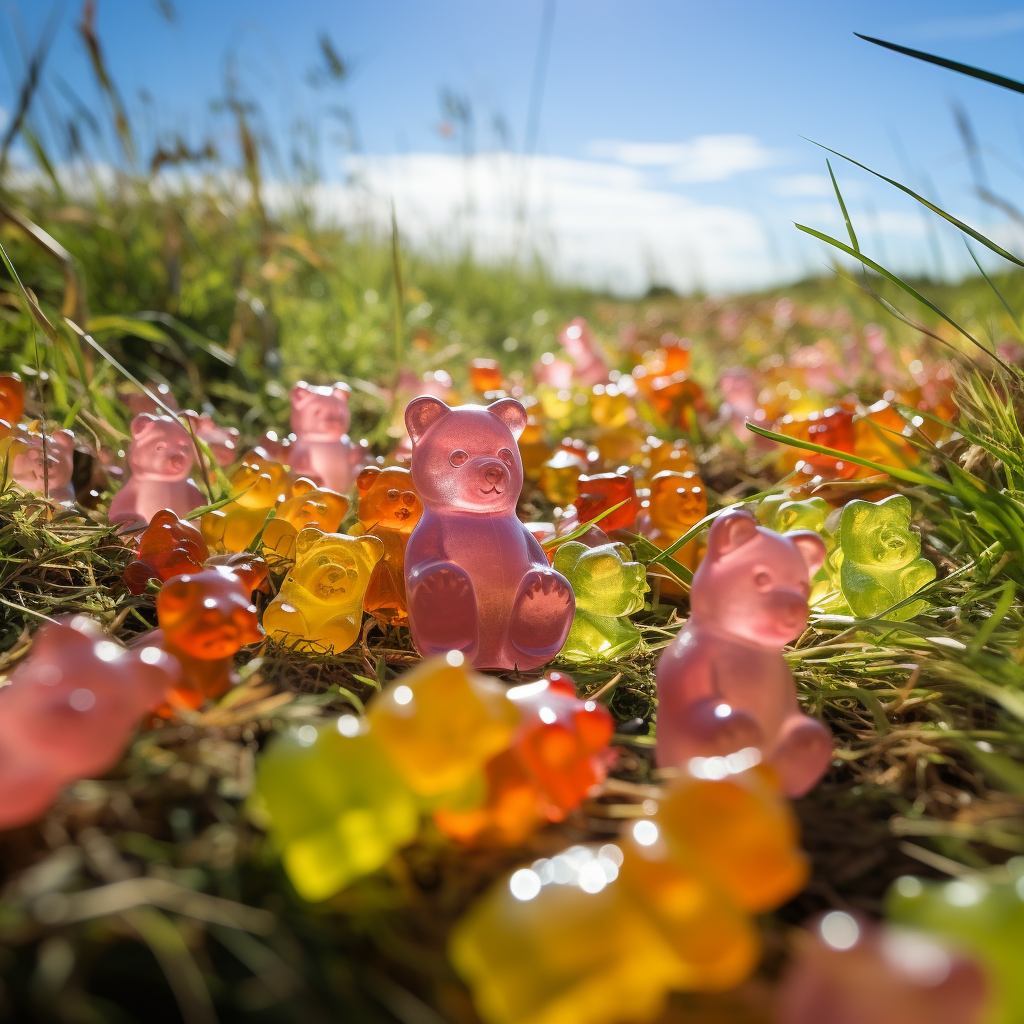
[669, 143]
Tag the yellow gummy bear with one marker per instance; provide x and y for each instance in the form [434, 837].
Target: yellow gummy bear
[309, 505]
[320, 603]
[259, 485]
[334, 806]
[440, 723]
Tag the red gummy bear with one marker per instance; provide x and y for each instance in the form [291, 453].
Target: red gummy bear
[600, 492]
[69, 711]
[205, 618]
[168, 547]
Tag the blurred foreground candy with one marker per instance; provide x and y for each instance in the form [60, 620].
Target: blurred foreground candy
[976, 916]
[320, 603]
[598, 936]
[69, 711]
[609, 587]
[724, 689]
[848, 970]
[335, 807]
[168, 547]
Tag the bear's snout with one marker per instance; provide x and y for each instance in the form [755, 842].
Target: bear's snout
[791, 607]
[494, 476]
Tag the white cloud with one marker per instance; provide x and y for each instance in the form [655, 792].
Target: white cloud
[704, 158]
[803, 185]
[594, 222]
[984, 26]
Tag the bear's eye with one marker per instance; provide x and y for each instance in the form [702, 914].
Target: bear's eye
[762, 579]
[458, 457]
[392, 495]
[161, 447]
[505, 455]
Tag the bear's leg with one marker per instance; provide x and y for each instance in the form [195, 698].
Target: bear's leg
[443, 612]
[802, 754]
[708, 727]
[541, 616]
[285, 624]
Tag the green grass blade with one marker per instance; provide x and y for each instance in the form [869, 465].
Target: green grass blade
[991, 284]
[842, 206]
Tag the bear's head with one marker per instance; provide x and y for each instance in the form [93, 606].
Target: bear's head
[168, 547]
[12, 402]
[466, 460]
[809, 514]
[160, 450]
[260, 482]
[333, 568]
[877, 534]
[605, 579]
[678, 501]
[310, 505]
[753, 583]
[209, 614]
[320, 413]
[387, 499]
[37, 466]
[602, 491]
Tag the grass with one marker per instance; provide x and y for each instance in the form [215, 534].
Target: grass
[150, 895]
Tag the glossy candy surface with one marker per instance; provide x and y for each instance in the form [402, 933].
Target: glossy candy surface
[335, 807]
[160, 457]
[881, 561]
[205, 618]
[259, 485]
[478, 581]
[440, 723]
[12, 402]
[980, 917]
[45, 465]
[389, 509]
[534, 449]
[723, 684]
[485, 375]
[678, 502]
[559, 477]
[848, 970]
[308, 506]
[168, 547]
[601, 492]
[609, 587]
[320, 603]
[322, 449]
[69, 711]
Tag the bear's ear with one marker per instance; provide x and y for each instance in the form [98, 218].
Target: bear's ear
[568, 555]
[366, 479]
[302, 486]
[141, 424]
[622, 550]
[341, 391]
[165, 517]
[511, 413]
[299, 394]
[730, 532]
[64, 440]
[308, 538]
[422, 413]
[811, 546]
[374, 548]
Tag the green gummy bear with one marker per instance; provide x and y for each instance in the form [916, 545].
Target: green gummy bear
[982, 918]
[881, 559]
[335, 807]
[609, 587]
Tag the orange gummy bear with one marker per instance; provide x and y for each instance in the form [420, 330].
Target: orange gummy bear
[168, 547]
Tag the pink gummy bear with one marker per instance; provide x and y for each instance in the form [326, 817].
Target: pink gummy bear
[322, 449]
[581, 346]
[222, 441]
[852, 971]
[69, 711]
[723, 684]
[160, 457]
[51, 475]
[478, 580]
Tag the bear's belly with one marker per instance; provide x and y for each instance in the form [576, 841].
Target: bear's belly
[754, 680]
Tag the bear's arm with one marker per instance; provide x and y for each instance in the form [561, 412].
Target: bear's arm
[534, 548]
[865, 595]
[426, 545]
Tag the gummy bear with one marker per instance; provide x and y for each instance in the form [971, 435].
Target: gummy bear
[881, 435]
[168, 547]
[320, 604]
[580, 345]
[389, 509]
[880, 561]
[609, 586]
[205, 618]
[559, 477]
[558, 755]
[440, 723]
[485, 375]
[477, 579]
[335, 806]
[723, 684]
[851, 971]
[45, 465]
[600, 492]
[678, 502]
[309, 505]
[534, 450]
[69, 711]
[259, 484]
[739, 401]
[160, 456]
[981, 917]
[612, 406]
[12, 402]
[139, 402]
[322, 449]
[656, 456]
